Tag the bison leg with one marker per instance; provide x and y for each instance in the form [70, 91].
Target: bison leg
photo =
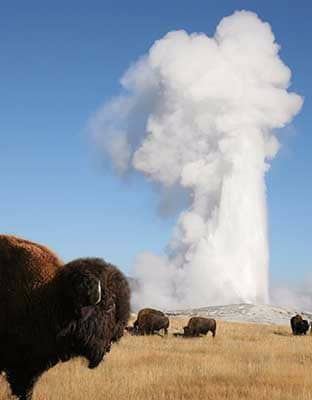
[22, 382]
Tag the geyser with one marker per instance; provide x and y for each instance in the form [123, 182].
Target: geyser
[199, 113]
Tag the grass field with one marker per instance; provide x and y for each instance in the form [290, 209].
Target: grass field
[244, 361]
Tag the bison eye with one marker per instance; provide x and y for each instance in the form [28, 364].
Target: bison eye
[82, 285]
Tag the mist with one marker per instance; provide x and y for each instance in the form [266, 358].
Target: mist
[296, 297]
[198, 115]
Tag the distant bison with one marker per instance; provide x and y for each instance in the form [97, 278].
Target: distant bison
[51, 312]
[200, 326]
[149, 321]
[299, 325]
[146, 311]
[153, 323]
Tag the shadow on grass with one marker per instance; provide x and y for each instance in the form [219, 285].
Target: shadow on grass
[282, 333]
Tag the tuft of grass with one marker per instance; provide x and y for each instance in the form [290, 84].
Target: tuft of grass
[243, 361]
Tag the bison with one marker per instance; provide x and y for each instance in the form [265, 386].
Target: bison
[200, 326]
[299, 325]
[53, 312]
[146, 311]
[148, 322]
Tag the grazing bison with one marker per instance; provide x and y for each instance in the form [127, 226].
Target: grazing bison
[200, 326]
[299, 325]
[52, 312]
[146, 311]
[153, 323]
[148, 322]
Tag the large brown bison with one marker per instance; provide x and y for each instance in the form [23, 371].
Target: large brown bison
[200, 326]
[51, 312]
[150, 321]
[299, 325]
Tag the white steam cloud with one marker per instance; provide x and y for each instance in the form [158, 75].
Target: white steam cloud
[199, 114]
[296, 297]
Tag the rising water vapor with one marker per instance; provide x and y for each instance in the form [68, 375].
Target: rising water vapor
[199, 113]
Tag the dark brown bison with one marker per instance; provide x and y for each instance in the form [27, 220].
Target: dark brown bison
[299, 325]
[200, 326]
[54, 312]
[148, 322]
[146, 311]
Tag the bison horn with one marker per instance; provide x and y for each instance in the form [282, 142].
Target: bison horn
[99, 293]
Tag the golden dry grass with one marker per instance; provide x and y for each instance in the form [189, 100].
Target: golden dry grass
[243, 362]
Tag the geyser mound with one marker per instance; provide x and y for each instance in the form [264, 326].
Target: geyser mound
[199, 114]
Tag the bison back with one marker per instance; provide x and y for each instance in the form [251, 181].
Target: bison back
[147, 311]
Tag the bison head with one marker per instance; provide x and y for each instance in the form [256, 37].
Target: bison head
[132, 330]
[187, 331]
[84, 289]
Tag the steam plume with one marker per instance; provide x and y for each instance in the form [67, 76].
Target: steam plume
[199, 114]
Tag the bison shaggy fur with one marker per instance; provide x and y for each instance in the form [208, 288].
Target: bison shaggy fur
[57, 311]
[200, 326]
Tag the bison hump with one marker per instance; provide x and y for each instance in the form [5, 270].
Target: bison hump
[24, 266]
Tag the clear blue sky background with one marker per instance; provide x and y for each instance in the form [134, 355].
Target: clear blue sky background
[59, 61]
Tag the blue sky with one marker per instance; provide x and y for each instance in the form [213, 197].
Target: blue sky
[59, 61]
